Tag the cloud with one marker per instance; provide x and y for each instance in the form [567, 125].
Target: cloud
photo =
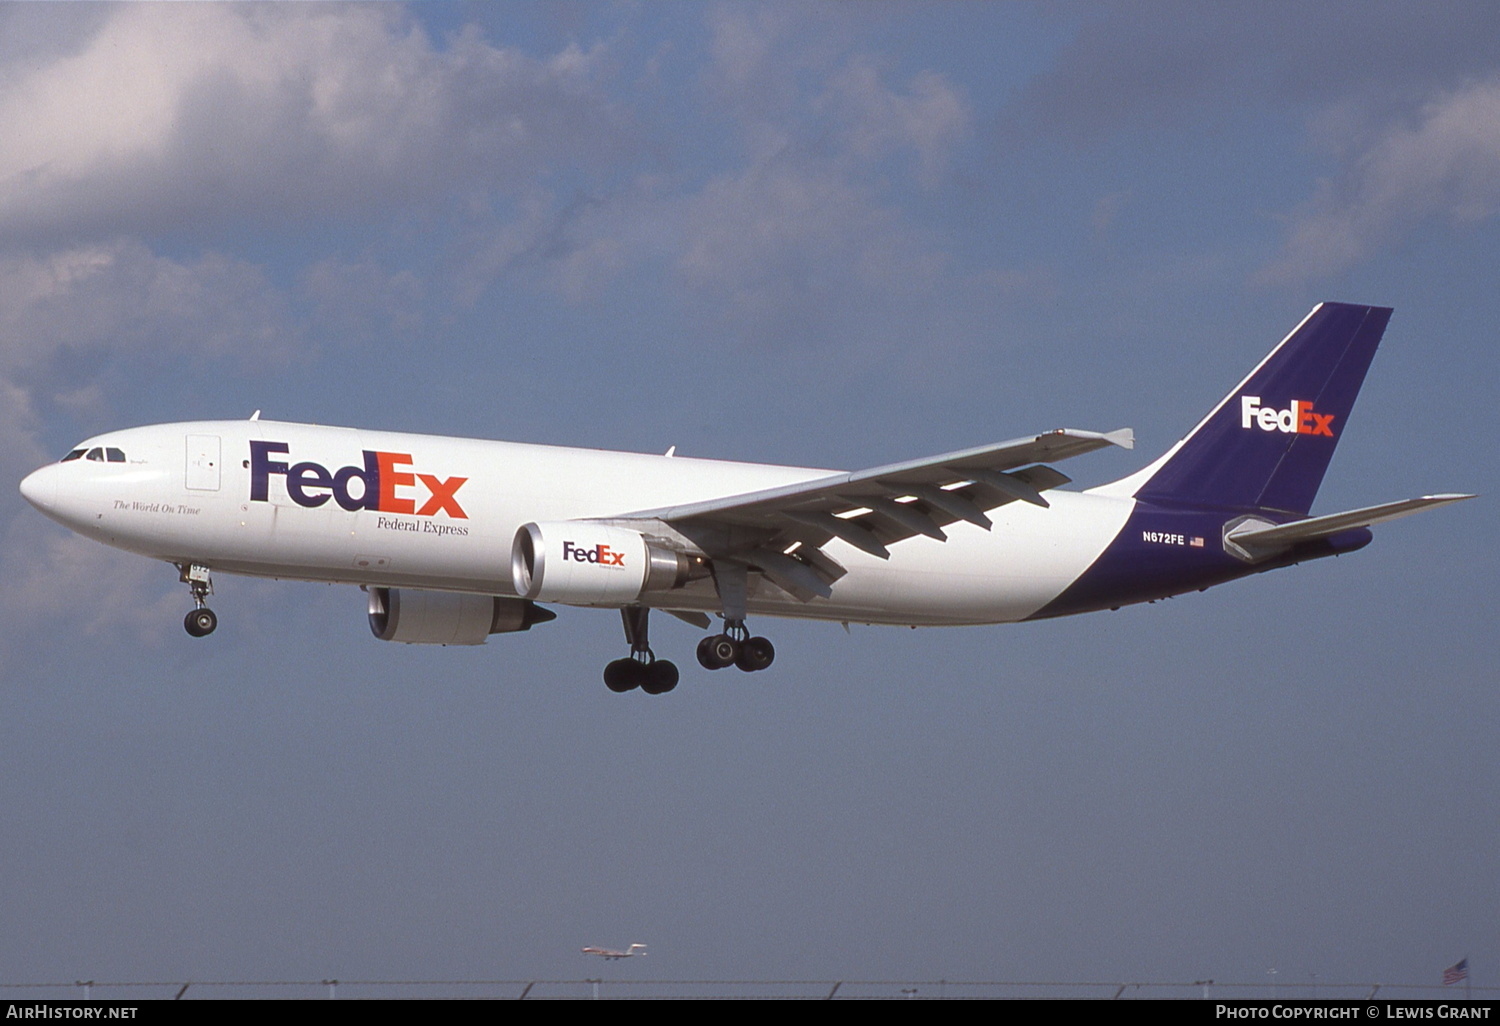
[102, 297]
[1174, 64]
[790, 245]
[797, 230]
[355, 302]
[172, 121]
[1443, 164]
[929, 119]
[171, 116]
[54, 578]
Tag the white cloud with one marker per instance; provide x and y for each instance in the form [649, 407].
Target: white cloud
[173, 114]
[1446, 164]
[353, 302]
[783, 248]
[56, 579]
[119, 295]
[799, 226]
[929, 119]
[800, 232]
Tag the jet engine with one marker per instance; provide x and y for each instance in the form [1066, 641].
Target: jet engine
[583, 563]
[419, 617]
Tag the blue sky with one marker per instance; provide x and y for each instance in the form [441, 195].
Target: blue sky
[819, 234]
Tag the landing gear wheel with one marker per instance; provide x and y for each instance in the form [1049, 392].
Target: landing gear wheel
[755, 654]
[200, 622]
[717, 651]
[660, 677]
[622, 675]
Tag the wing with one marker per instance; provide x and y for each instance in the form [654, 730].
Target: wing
[781, 531]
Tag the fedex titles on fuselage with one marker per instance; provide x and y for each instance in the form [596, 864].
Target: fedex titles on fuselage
[384, 486]
[1297, 418]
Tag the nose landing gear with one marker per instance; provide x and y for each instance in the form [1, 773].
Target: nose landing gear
[201, 621]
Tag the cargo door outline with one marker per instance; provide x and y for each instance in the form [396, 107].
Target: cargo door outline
[203, 463]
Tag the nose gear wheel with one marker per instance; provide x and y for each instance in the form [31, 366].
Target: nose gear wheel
[201, 621]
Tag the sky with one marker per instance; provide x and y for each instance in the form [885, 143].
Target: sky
[827, 235]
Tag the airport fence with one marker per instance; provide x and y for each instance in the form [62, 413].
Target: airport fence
[601, 988]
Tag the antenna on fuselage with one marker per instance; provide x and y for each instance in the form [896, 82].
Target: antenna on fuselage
[255, 415]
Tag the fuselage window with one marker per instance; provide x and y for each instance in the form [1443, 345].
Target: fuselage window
[115, 455]
[95, 454]
[75, 454]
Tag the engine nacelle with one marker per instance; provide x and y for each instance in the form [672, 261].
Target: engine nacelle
[589, 564]
[418, 617]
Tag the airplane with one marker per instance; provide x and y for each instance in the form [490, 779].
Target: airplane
[456, 539]
[611, 955]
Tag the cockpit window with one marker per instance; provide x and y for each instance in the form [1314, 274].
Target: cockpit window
[99, 454]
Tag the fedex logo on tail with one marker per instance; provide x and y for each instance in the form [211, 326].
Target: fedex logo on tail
[1299, 418]
[382, 484]
[601, 554]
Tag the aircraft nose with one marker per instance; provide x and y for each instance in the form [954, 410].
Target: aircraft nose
[40, 487]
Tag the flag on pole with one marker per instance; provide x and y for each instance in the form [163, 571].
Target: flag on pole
[1457, 972]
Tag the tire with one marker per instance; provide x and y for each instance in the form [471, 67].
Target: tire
[620, 676]
[756, 654]
[200, 622]
[717, 651]
[661, 677]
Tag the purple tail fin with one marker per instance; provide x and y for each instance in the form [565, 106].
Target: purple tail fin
[1268, 443]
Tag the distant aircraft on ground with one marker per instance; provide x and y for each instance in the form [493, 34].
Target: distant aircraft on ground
[611, 955]
[456, 539]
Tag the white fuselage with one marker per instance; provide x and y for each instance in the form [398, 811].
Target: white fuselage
[185, 493]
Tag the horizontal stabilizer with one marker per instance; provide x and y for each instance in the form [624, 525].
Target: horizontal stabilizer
[1260, 539]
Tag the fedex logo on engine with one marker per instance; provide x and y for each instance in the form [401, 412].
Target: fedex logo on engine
[1298, 418]
[601, 554]
[382, 485]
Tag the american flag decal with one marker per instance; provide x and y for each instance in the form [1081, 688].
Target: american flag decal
[1196, 543]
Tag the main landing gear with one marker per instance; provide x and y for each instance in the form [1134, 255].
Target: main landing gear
[735, 647]
[201, 621]
[641, 669]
